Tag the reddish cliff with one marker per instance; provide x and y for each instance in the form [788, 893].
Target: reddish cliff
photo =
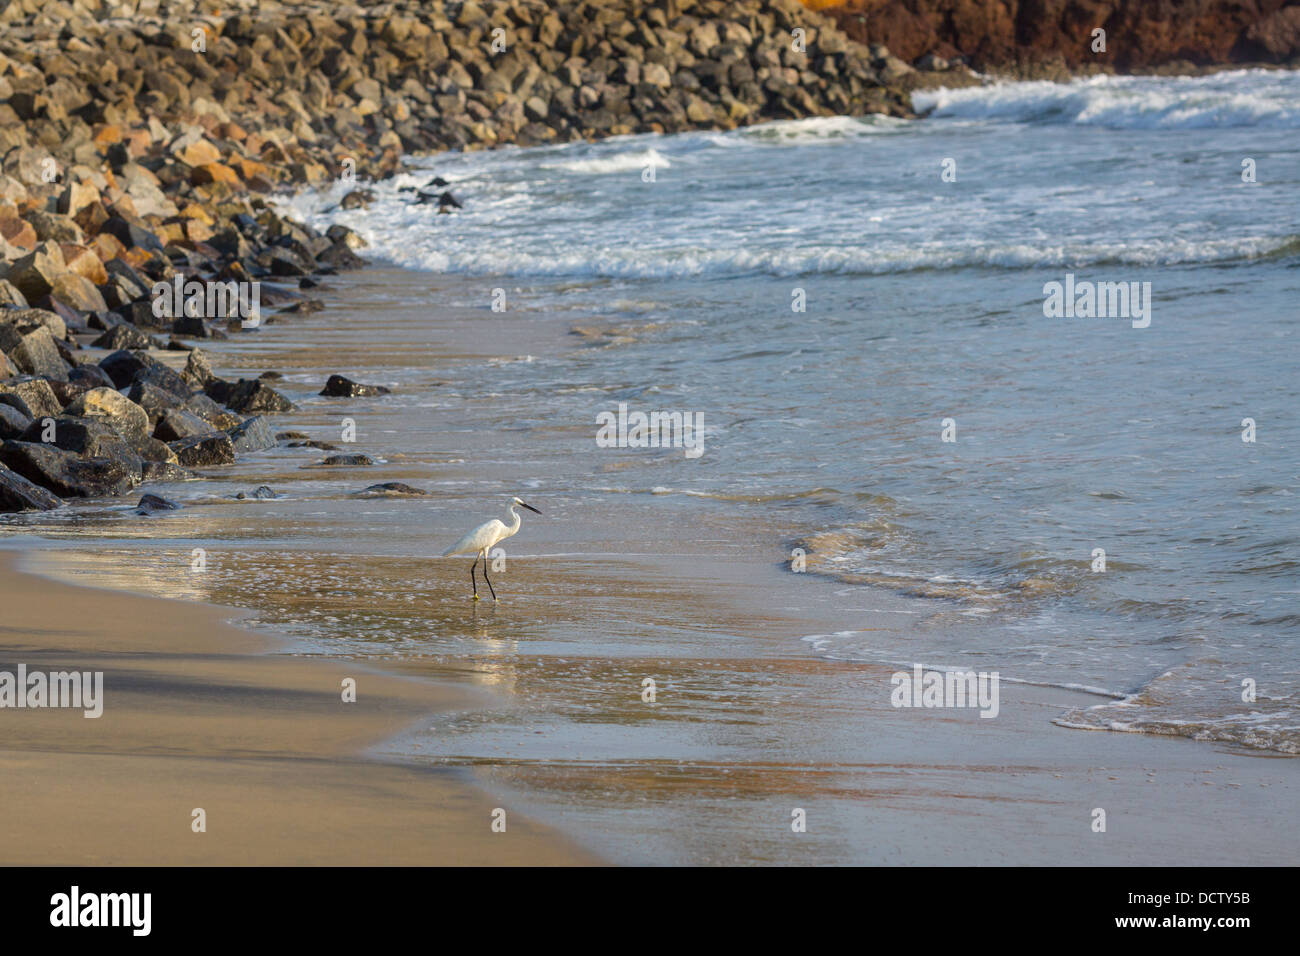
[1140, 34]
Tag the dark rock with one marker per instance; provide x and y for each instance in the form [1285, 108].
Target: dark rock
[221, 419]
[176, 424]
[19, 494]
[91, 376]
[87, 437]
[336, 460]
[247, 396]
[262, 492]
[12, 422]
[197, 372]
[67, 474]
[391, 489]
[336, 386]
[31, 396]
[289, 436]
[32, 349]
[204, 451]
[122, 336]
[151, 503]
[193, 326]
[166, 471]
[153, 399]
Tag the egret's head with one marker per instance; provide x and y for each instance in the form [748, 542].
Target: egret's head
[520, 502]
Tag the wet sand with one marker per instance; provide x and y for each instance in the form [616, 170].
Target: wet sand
[709, 774]
[198, 714]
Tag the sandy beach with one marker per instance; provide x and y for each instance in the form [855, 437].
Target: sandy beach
[292, 301]
[201, 714]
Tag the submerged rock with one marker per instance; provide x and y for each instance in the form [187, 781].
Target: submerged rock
[336, 386]
[150, 504]
[391, 489]
[335, 460]
[261, 492]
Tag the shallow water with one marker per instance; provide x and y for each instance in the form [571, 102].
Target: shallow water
[821, 432]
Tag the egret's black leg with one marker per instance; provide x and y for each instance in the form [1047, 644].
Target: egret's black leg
[473, 580]
[488, 579]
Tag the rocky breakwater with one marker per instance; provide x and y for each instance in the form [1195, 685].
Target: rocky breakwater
[139, 143]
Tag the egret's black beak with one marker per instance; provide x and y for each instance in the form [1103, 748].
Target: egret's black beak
[530, 508]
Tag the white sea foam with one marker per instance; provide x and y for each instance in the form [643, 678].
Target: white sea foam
[618, 163]
[1271, 100]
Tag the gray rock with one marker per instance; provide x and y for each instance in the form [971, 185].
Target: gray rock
[12, 422]
[176, 424]
[253, 434]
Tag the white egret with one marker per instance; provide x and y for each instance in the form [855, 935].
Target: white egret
[478, 541]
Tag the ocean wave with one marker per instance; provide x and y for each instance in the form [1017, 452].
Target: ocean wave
[1122, 102]
[641, 262]
[1185, 702]
[618, 163]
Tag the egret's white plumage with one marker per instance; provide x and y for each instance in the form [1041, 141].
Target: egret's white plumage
[478, 541]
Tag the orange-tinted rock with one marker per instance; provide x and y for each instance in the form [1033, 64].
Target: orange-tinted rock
[214, 173]
[85, 262]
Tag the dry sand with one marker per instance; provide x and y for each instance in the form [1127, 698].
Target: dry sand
[199, 714]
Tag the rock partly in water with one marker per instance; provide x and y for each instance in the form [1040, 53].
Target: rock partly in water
[336, 386]
[152, 504]
[205, 450]
[19, 494]
[390, 489]
[253, 434]
[67, 474]
[248, 396]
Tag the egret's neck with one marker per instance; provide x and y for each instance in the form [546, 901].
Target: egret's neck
[515, 520]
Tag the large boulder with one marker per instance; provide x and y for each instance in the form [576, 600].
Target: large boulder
[219, 417]
[122, 336]
[125, 417]
[131, 365]
[34, 274]
[248, 396]
[12, 422]
[67, 474]
[205, 450]
[32, 349]
[19, 494]
[253, 434]
[154, 399]
[87, 437]
[31, 396]
[176, 424]
[25, 316]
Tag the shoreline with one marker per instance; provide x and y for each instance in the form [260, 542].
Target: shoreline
[921, 791]
[261, 741]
